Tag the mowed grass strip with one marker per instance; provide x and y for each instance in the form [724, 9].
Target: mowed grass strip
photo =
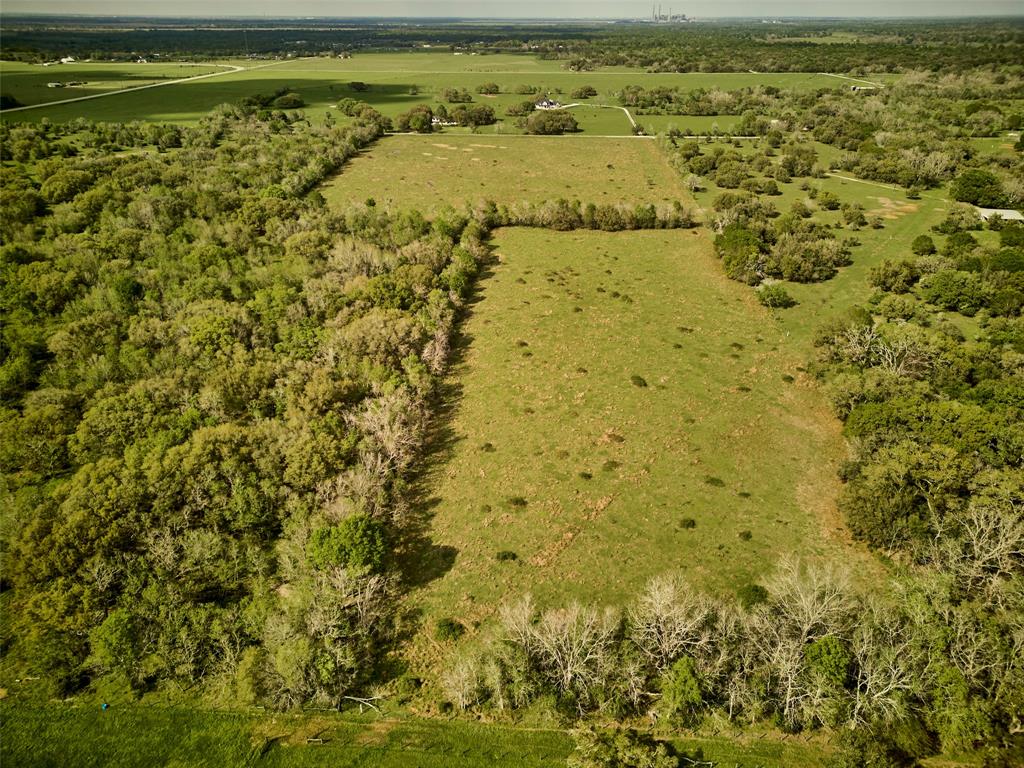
[620, 409]
[430, 172]
[133, 736]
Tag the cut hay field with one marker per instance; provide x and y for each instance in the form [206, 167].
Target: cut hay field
[395, 82]
[429, 172]
[620, 409]
[29, 83]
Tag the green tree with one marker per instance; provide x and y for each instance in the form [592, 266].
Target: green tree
[357, 542]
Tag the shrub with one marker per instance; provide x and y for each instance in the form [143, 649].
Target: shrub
[448, 630]
[687, 523]
[638, 381]
[506, 556]
[923, 245]
[774, 296]
[750, 595]
[584, 92]
[488, 88]
[745, 535]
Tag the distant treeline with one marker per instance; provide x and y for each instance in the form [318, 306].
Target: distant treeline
[869, 45]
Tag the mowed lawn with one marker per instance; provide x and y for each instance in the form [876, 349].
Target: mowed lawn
[429, 172]
[394, 82]
[619, 409]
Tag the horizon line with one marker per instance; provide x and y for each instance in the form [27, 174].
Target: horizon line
[314, 17]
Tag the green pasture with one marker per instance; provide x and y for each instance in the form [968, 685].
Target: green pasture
[28, 83]
[395, 82]
[720, 462]
[431, 171]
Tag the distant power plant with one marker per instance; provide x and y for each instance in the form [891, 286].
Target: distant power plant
[658, 17]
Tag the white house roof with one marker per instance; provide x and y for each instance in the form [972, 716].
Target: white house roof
[1008, 214]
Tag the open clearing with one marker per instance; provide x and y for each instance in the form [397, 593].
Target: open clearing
[394, 83]
[719, 463]
[428, 172]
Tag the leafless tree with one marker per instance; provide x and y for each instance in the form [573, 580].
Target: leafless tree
[808, 601]
[888, 664]
[671, 619]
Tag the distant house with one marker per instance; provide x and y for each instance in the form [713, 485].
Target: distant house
[55, 85]
[548, 103]
[1006, 214]
[437, 121]
[863, 87]
[68, 60]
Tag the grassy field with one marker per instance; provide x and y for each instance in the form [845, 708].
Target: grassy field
[718, 464]
[428, 172]
[395, 82]
[28, 83]
[142, 737]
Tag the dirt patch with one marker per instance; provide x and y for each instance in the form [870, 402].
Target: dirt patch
[890, 209]
[375, 732]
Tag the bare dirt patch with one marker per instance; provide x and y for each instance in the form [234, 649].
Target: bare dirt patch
[890, 209]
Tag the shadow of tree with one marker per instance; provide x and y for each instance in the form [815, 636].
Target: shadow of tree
[420, 559]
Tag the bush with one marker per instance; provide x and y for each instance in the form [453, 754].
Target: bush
[448, 630]
[456, 95]
[687, 523]
[774, 296]
[638, 381]
[750, 595]
[290, 100]
[488, 88]
[506, 556]
[584, 92]
[923, 245]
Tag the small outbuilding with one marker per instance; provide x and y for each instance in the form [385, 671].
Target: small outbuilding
[1006, 214]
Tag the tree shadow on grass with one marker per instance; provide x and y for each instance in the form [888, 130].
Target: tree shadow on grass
[420, 559]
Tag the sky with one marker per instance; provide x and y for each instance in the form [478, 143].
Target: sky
[518, 8]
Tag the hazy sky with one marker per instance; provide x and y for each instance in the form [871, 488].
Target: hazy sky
[518, 8]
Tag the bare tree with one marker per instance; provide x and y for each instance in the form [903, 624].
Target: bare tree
[889, 666]
[671, 619]
[808, 601]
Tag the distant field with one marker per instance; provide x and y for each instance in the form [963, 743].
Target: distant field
[551, 451]
[428, 172]
[141, 737]
[29, 83]
[395, 83]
